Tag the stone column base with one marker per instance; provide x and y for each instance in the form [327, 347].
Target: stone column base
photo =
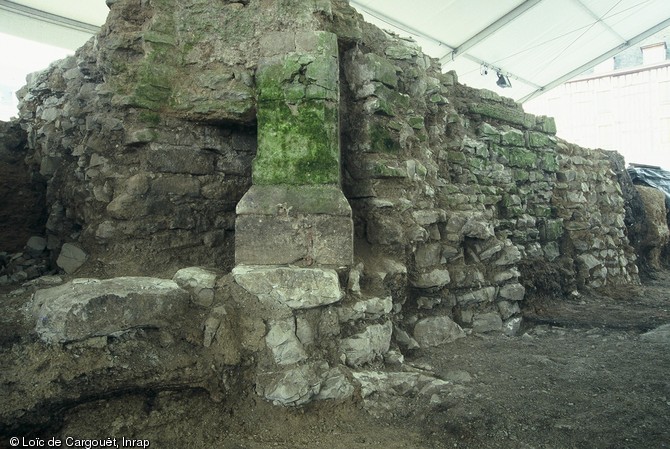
[294, 225]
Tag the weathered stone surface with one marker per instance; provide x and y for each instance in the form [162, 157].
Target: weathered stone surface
[284, 344]
[404, 339]
[482, 295]
[433, 279]
[298, 124]
[368, 345]
[512, 326]
[659, 335]
[36, 245]
[370, 308]
[478, 229]
[336, 385]
[512, 292]
[508, 309]
[309, 225]
[508, 256]
[398, 384]
[85, 308]
[199, 281]
[487, 322]
[292, 387]
[428, 255]
[297, 288]
[71, 258]
[436, 331]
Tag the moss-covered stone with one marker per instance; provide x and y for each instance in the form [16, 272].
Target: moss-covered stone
[402, 51]
[475, 163]
[549, 162]
[520, 175]
[503, 113]
[546, 124]
[551, 230]
[456, 157]
[438, 99]
[488, 132]
[381, 70]
[382, 140]
[417, 122]
[513, 137]
[542, 211]
[297, 144]
[388, 170]
[538, 140]
[520, 157]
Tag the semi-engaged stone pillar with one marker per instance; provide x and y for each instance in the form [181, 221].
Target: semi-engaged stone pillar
[295, 212]
[294, 227]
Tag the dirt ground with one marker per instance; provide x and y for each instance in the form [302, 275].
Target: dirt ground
[579, 376]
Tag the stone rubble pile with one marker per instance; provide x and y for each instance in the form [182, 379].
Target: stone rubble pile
[33, 262]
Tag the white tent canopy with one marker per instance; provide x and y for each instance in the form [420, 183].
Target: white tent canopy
[537, 44]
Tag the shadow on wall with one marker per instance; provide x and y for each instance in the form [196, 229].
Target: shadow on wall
[22, 197]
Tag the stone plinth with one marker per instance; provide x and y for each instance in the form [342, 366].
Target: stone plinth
[305, 226]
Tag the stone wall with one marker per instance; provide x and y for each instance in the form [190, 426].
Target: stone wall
[461, 202]
[373, 205]
[474, 199]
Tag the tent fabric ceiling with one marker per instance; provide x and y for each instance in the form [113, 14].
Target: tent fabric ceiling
[538, 44]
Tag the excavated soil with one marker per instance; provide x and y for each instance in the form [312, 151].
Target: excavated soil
[578, 376]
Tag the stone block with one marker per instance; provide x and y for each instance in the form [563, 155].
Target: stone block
[36, 245]
[508, 309]
[429, 216]
[512, 292]
[321, 240]
[466, 276]
[291, 387]
[537, 140]
[297, 288]
[522, 158]
[512, 326]
[366, 346]
[436, 331]
[85, 308]
[428, 255]
[487, 322]
[335, 385]
[377, 68]
[166, 158]
[284, 344]
[500, 112]
[370, 308]
[513, 137]
[436, 278]
[309, 225]
[660, 334]
[482, 295]
[478, 228]
[71, 258]
[199, 281]
[508, 255]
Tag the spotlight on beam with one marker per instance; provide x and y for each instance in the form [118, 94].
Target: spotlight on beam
[503, 81]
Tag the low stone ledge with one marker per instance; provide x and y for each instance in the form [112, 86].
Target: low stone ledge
[85, 308]
[297, 288]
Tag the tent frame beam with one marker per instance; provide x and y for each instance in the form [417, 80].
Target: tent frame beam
[32, 13]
